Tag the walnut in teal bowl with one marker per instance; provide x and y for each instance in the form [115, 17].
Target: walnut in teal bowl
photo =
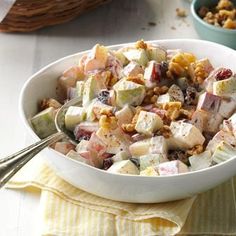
[210, 32]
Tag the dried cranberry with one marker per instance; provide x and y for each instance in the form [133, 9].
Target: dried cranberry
[135, 161]
[223, 74]
[164, 68]
[103, 96]
[81, 134]
[107, 163]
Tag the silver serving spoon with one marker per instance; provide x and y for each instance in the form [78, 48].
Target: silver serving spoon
[11, 164]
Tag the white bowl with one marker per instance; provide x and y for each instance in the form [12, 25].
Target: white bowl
[127, 188]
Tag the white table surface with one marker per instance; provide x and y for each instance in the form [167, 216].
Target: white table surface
[23, 54]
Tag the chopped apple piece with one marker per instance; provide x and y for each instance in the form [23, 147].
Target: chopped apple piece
[148, 123]
[133, 69]
[184, 135]
[76, 156]
[125, 115]
[209, 102]
[149, 171]
[151, 160]
[137, 55]
[124, 167]
[172, 168]
[152, 74]
[156, 53]
[200, 161]
[120, 156]
[64, 147]
[43, 123]
[74, 115]
[227, 107]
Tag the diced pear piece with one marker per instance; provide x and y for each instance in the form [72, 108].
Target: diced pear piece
[151, 160]
[120, 156]
[199, 119]
[154, 145]
[184, 135]
[148, 123]
[200, 161]
[92, 87]
[124, 167]
[158, 145]
[96, 59]
[74, 115]
[64, 147]
[156, 53]
[128, 92]
[225, 88]
[43, 123]
[165, 98]
[76, 156]
[137, 55]
[125, 115]
[223, 152]
[176, 93]
[209, 102]
[133, 69]
[115, 140]
[172, 168]
[213, 122]
[227, 107]
[149, 171]
[218, 138]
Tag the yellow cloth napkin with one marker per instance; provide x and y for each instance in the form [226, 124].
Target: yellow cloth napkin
[66, 210]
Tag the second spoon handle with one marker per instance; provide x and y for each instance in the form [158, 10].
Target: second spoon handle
[10, 165]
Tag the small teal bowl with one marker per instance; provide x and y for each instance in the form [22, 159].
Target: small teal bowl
[210, 32]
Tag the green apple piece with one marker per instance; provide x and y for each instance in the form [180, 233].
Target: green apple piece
[156, 53]
[74, 115]
[124, 167]
[80, 89]
[137, 55]
[225, 88]
[115, 140]
[121, 57]
[200, 161]
[128, 92]
[223, 152]
[43, 123]
[148, 123]
[93, 85]
[149, 171]
[125, 115]
[182, 82]
[151, 160]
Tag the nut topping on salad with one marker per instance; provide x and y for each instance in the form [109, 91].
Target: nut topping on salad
[145, 110]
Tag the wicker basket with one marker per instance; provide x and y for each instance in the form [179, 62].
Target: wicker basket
[28, 15]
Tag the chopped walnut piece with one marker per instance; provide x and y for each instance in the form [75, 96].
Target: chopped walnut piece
[108, 122]
[195, 150]
[141, 44]
[129, 128]
[137, 79]
[49, 102]
[181, 12]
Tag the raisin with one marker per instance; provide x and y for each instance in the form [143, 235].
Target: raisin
[164, 68]
[135, 161]
[191, 96]
[178, 155]
[223, 74]
[107, 163]
[103, 96]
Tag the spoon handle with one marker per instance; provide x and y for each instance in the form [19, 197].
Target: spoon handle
[11, 164]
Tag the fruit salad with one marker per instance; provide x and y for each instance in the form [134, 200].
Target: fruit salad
[144, 110]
